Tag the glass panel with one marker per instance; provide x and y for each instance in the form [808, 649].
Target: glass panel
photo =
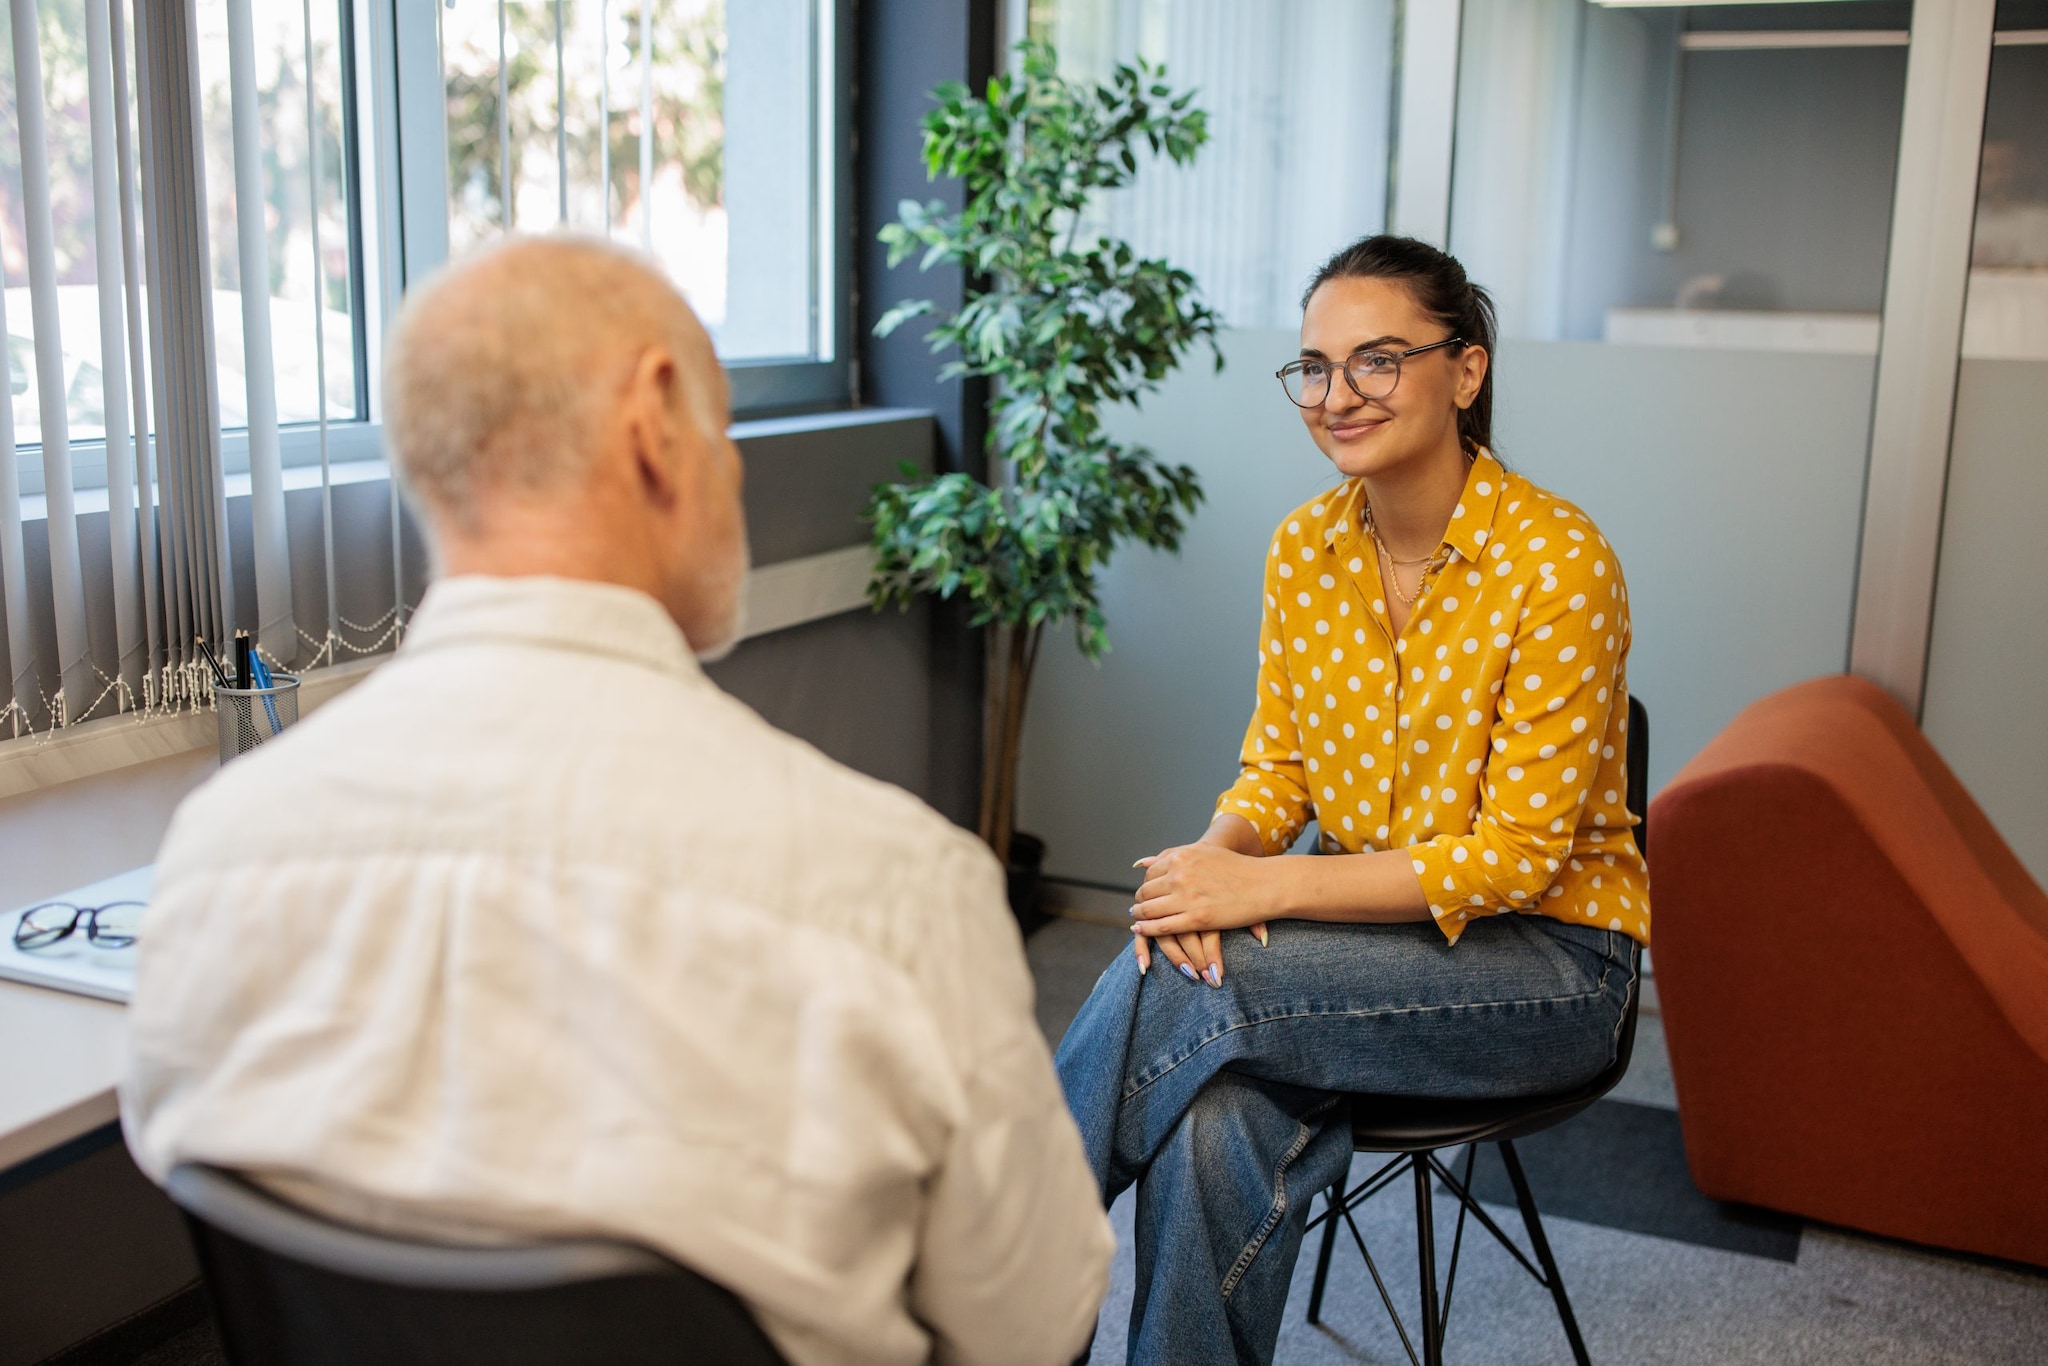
[69, 151]
[1706, 175]
[288, 208]
[1296, 165]
[739, 234]
[1684, 215]
[281, 81]
[1989, 645]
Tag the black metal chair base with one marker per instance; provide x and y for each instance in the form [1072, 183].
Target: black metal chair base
[1435, 1309]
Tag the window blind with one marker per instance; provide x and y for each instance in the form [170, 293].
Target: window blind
[276, 631]
[100, 625]
[74, 672]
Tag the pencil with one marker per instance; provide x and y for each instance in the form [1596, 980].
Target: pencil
[220, 675]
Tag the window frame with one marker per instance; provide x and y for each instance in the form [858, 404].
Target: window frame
[298, 442]
[411, 167]
[394, 120]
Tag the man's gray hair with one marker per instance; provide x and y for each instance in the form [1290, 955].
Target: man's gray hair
[500, 371]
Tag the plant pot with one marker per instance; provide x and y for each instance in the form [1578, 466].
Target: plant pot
[1027, 881]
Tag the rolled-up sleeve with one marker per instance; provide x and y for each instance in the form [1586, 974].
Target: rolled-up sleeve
[1562, 682]
[1270, 790]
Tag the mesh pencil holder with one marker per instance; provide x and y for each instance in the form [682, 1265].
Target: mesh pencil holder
[249, 716]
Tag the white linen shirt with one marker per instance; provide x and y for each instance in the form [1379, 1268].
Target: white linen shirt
[538, 932]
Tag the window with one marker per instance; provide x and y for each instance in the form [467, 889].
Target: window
[707, 133]
[712, 135]
[2007, 317]
[309, 172]
[207, 211]
[286, 61]
[1714, 176]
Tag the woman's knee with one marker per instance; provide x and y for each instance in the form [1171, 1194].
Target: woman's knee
[1235, 1120]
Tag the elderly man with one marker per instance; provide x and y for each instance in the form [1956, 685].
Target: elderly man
[537, 931]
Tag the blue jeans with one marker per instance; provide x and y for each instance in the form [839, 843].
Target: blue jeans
[1222, 1104]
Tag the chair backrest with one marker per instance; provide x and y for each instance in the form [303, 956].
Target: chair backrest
[1563, 1107]
[1639, 770]
[292, 1289]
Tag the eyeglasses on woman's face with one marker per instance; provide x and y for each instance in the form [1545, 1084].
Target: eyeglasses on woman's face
[1371, 374]
[111, 926]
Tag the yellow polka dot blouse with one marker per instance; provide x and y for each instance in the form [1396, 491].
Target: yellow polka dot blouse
[1488, 738]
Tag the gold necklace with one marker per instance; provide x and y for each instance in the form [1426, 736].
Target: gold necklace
[1394, 576]
[1430, 562]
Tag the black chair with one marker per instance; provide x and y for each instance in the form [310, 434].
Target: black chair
[291, 1289]
[1414, 1129]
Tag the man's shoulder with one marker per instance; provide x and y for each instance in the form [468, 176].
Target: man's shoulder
[837, 800]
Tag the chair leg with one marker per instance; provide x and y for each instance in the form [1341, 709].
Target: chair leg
[1533, 1222]
[1315, 1294]
[1425, 1265]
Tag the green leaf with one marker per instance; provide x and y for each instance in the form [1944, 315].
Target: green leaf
[901, 314]
[1065, 323]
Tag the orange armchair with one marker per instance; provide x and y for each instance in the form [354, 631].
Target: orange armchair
[1853, 973]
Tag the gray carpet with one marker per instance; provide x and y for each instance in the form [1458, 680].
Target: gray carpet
[1679, 1296]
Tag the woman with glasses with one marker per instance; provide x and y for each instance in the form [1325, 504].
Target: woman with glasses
[1442, 691]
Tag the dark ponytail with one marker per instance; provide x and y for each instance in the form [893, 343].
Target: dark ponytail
[1441, 290]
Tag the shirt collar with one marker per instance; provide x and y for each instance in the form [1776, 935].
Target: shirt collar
[1471, 522]
[551, 613]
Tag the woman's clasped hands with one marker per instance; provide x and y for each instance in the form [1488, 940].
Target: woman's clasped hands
[1192, 893]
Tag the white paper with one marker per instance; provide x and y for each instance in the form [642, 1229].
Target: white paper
[75, 963]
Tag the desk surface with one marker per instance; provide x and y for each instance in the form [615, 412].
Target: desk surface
[63, 1053]
[60, 1058]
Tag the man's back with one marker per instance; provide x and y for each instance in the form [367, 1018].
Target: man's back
[536, 931]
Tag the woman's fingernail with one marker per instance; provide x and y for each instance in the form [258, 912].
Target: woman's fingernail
[1134, 912]
[1259, 933]
[1144, 966]
[1188, 973]
[1215, 974]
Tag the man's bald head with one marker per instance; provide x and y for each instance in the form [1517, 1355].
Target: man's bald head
[501, 372]
[554, 408]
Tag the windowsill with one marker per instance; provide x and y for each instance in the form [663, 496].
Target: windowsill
[812, 570]
[836, 420]
[35, 507]
[780, 596]
[117, 741]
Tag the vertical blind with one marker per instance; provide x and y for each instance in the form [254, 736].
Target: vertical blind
[105, 583]
[95, 629]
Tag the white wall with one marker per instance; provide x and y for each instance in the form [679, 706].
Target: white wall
[1988, 658]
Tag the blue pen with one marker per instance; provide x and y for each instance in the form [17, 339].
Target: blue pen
[263, 680]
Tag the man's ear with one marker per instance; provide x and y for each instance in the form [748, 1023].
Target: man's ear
[654, 432]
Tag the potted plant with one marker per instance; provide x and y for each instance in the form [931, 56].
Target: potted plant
[1065, 323]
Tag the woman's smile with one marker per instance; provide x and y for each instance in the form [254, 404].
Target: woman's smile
[1355, 427]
